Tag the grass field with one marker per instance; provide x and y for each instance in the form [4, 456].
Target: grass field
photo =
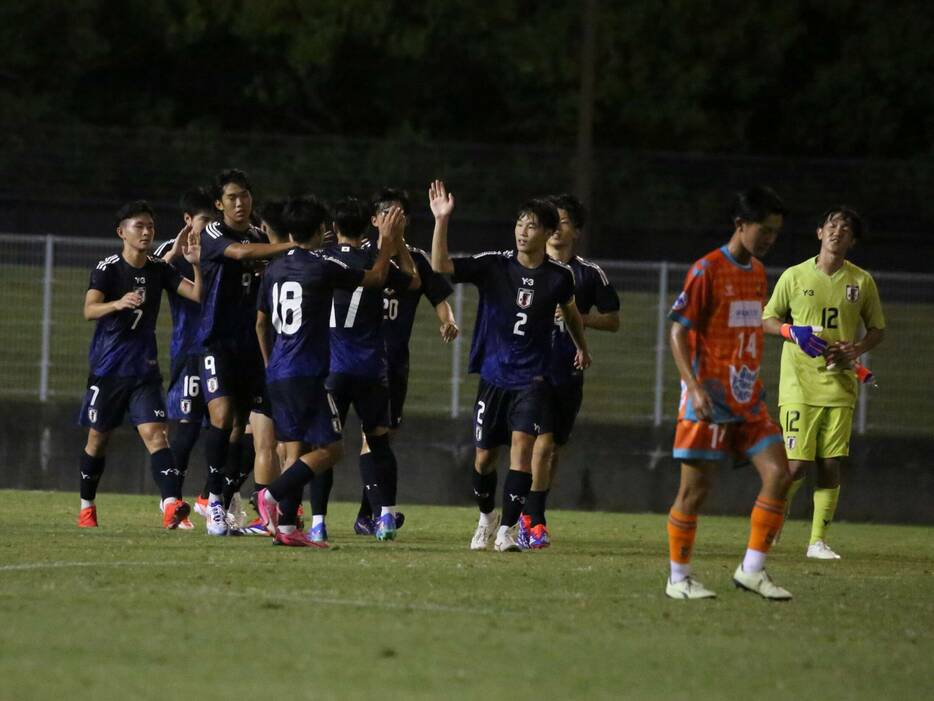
[132, 612]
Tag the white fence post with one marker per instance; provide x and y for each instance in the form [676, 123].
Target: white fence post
[456, 352]
[863, 403]
[44, 354]
[660, 347]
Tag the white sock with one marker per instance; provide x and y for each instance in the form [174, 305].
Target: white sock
[754, 561]
[166, 502]
[679, 572]
[286, 529]
[316, 520]
[487, 519]
[85, 504]
[388, 510]
[212, 497]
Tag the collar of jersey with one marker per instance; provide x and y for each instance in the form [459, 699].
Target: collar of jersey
[729, 257]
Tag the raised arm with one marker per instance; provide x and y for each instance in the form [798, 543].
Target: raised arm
[442, 205]
[449, 329]
[257, 251]
[390, 224]
[191, 249]
[407, 265]
[575, 327]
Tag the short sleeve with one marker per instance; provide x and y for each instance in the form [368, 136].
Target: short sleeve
[214, 243]
[472, 268]
[605, 297]
[101, 279]
[435, 286]
[171, 278]
[779, 305]
[691, 308]
[565, 289]
[871, 312]
[262, 297]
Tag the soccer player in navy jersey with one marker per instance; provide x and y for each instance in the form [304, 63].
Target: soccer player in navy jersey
[296, 300]
[598, 304]
[398, 318]
[511, 348]
[230, 372]
[123, 297]
[358, 372]
[184, 403]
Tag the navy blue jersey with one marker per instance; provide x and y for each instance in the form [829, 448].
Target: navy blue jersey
[228, 304]
[399, 307]
[296, 295]
[358, 341]
[124, 342]
[591, 289]
[511, 346]
[186, 315]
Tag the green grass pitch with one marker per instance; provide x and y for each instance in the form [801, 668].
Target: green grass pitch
[132, 612]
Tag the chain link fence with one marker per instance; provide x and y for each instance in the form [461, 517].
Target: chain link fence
[633, 380]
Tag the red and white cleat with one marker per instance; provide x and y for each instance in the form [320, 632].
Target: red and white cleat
[173, 514]
[87, 517]
[297, 538]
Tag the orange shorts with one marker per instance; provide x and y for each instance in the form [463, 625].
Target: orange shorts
[700, 440]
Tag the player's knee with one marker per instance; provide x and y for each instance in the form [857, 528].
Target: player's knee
[97, 443]
[484, 460]
[153, 436]
[379, 445]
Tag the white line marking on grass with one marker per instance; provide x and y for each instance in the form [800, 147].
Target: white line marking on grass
[111, 563]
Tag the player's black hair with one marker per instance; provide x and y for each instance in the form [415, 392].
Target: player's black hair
[756, 204]
[303, 216]
[850, 215]
[132, 209]
[576, 210]
[272, 213]
[387, 195]
[230, 175]
[197, 201]
[544, 210]
[351, 217]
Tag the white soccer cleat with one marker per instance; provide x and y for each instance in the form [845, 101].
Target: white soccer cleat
[760, 583]
[217, 519]
[484, 536]
[507, 539]
[688, 588]
[819, 550]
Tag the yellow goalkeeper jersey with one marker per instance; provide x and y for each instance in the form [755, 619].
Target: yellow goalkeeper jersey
[843, 303]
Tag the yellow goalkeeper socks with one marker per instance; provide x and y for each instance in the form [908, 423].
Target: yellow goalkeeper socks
[825, 506]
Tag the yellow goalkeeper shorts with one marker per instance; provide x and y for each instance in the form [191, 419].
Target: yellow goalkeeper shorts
[813, 432]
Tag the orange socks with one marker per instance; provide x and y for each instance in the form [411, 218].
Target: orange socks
[682, 530]
[766, 521]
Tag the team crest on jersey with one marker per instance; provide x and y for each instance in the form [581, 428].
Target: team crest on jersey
[743, 383]
[92, 415]
[186, 406]
[212, 384]
[681, 302]
[791, 442]
[141, 291]
[524, 297]
[852, 293]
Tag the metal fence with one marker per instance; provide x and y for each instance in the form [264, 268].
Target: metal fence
[43, 353]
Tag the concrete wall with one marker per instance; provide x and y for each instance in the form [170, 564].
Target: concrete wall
[610, 468]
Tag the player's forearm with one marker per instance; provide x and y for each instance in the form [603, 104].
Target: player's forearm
[95, 310]
[407, 266]
[257, 251]
[196, 283]
[681, 353]
[376, 276]
[440, 258]
[772, 326]
[872, 339]
[262, 335]
[602, 321]
[445, 313]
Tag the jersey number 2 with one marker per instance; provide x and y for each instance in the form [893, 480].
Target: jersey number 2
[521, 319]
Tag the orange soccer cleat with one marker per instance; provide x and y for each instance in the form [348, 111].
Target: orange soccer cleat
[87, 517]
[175, 512]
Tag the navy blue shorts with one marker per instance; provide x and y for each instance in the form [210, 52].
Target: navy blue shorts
[499, 412]
[109, 397]
[303, 410]
[398, 389]
[227, 373]
[567, 399]
[368, 396]
[184, 399]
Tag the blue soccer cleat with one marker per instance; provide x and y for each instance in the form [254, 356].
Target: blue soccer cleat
[364, 525]
[386, 527]
[525, 528]
[538, 537]
[318, 534]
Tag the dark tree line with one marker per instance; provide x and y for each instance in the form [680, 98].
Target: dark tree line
[808, 77]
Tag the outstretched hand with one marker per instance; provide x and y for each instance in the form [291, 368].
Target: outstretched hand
[391, 225]
[440, 200]
[191, 248]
